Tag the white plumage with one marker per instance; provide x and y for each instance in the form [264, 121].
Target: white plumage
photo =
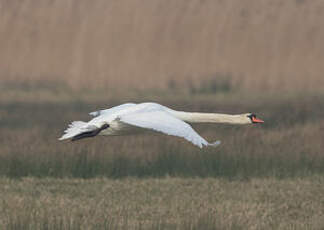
[131, 118]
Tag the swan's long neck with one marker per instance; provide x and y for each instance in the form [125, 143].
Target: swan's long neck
[211, 117]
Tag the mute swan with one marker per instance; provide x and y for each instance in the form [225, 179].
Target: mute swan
[130, 118]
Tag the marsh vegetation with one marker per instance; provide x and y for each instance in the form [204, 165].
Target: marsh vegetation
[60, 60]
[268, 176]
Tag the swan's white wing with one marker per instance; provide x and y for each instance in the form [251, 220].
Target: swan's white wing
[163, 122]
[112, 110]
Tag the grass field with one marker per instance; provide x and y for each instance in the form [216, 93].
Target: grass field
[61, 59]
[261, 177]
[168, 203]
[288, 144]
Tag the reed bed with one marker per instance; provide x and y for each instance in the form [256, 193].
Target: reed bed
[61, 59]
[289, 143]
[260, 177]
[257, 45]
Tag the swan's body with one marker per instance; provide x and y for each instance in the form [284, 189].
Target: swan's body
[132, 118]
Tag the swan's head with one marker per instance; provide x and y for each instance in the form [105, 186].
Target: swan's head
[253, 118]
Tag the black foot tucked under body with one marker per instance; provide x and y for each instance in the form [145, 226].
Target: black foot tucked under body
[92, 133]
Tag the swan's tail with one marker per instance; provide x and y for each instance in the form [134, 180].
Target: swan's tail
[74, 129]
[79, 130]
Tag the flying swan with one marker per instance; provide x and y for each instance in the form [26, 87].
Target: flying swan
[132, 118]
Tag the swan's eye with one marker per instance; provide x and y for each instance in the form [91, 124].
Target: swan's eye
[252, 115]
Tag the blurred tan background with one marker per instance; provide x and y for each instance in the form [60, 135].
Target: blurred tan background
[61, 59]
[260, 45]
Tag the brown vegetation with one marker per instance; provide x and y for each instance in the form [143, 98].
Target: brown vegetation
[289, 143]
[259, 45]
[169, 203]
[60, 59]
[261, 177]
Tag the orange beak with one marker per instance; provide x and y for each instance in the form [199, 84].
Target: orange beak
[257, 120]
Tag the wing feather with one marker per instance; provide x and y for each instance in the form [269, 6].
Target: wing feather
[163, 122]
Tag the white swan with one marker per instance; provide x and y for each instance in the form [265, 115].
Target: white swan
[131, 118]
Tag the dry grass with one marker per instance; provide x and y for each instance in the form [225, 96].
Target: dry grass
[261, 177]
[288, 144]
[60, 59]
[168, 203]
[257, 45]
